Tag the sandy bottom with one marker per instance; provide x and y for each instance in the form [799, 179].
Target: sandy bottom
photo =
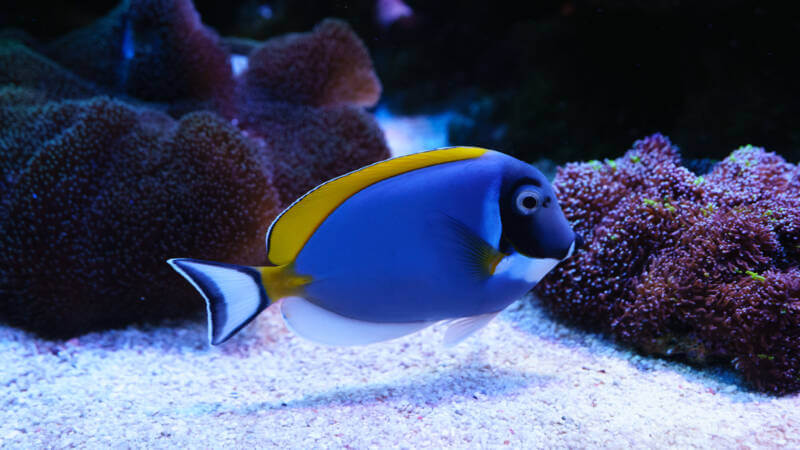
[524, 381]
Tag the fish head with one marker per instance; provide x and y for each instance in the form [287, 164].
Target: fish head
[533, 222]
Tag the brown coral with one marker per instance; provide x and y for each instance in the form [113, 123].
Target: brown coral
[101, 203]
[340, 68]
[318, 112]
[20, 66]
[705, 267]
[154, 50]
[96, 193]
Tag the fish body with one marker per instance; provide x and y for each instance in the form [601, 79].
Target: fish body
[452, 234]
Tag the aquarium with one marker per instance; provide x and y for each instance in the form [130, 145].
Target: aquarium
[399, 224]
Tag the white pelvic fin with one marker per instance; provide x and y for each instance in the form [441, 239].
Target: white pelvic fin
[234, 294]
[463, 328]
[319, 325]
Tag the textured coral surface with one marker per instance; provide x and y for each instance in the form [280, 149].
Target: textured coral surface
[700, 266]
[123, 144]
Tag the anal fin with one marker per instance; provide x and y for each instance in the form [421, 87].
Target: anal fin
[463, 328]
[319, 325]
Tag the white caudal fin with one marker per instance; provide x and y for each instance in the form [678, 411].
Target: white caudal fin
[325, 327]
[463, 328]
[234, 294]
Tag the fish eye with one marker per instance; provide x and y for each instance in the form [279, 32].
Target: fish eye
[528, 199]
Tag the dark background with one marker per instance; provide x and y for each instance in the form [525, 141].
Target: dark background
[567, 80]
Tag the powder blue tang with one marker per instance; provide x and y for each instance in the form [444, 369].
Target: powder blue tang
[452, 234]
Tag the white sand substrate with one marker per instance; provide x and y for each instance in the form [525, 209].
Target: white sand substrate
[525, 381]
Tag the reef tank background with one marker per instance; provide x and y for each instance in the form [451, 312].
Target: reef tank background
[134, 132]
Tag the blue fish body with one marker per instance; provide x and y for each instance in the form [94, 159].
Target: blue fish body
[388, 253]
[398, 247]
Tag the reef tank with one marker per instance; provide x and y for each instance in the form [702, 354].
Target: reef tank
[399, 224]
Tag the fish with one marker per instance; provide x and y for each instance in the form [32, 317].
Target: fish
[450, 235]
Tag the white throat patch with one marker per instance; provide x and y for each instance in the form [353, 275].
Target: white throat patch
[538, 268]
[517, 266]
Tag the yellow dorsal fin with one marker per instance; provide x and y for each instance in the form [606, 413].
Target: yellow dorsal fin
[292, 229]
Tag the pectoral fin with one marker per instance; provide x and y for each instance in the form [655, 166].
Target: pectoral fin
[471, 250]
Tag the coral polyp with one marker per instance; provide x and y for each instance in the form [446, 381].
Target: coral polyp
[702, 266]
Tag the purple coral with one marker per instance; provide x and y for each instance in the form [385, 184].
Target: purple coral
[96, 192]
[705, 267]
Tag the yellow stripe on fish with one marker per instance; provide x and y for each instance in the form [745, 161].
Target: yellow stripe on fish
[292, 229]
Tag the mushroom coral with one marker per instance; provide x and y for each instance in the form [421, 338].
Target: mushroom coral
[101, 180]
[704, 267]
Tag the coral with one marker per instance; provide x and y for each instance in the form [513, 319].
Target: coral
[705, 267]
[108, 168]
[154, 50]
[21, 66]
[339, 68]
[108, 193]
[318, 112]
[335, 140]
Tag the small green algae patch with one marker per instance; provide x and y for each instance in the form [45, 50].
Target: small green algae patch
[755, 276]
